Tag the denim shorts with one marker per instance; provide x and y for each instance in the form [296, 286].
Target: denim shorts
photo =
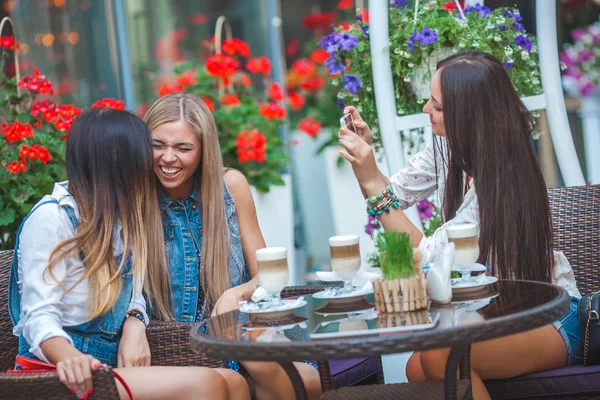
[570, 330]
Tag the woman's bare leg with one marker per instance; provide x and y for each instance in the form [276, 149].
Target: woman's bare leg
[174, 383]
[272, 383]
[236, 384]
[536, 350]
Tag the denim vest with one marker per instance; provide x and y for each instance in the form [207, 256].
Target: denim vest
[98, 337]
[182, 225]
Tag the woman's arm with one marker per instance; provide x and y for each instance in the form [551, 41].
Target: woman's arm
[251, 237]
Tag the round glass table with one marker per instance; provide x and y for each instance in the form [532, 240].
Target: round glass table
[500, 309]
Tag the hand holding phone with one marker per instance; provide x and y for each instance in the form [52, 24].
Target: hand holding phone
[347, 122]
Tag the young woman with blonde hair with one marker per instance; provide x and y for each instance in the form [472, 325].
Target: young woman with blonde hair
[201, 203]
[85, 253]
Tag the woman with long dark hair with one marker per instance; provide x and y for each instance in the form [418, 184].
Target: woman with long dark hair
[83, 257]
[483, 165]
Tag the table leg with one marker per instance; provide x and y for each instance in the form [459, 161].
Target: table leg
[458, 354]
[294, 376]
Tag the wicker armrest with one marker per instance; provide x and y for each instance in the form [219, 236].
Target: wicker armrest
[292, 291]
[170, 345]
[47, 386]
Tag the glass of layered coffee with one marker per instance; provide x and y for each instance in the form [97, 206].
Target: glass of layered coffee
[345, 258]
[273, 274]
[466, 247]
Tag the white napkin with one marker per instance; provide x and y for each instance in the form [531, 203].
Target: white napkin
[359, 279]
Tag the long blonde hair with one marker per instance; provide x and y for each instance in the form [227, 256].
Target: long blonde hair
[109, 167]
[209, 179]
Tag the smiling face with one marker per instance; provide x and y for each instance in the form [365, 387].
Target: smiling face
[433, 107]
[177, 154]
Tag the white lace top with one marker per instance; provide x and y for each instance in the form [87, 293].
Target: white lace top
[419, 180]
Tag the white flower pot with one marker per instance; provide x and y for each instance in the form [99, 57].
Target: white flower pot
[421, 80]
[275, 214]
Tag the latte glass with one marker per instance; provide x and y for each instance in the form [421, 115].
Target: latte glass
[466, 247]
[345, 258]
[273, 274]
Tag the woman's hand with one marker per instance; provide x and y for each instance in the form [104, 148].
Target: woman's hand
[229, 300]
[134, 350]
[361, 157]
[76, 373]
[362, 129]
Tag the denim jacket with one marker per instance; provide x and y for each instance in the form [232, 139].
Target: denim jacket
[98, 337]
[182, 225]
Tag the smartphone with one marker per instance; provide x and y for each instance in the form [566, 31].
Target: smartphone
[347, 122]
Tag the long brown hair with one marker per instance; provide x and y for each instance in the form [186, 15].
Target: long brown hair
[214, 278]
[109, 167]
[488, 131]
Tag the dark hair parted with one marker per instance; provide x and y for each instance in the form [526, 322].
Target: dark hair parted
[488, 131]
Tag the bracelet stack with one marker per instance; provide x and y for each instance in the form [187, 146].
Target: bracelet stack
[380, 203]
[135, 314]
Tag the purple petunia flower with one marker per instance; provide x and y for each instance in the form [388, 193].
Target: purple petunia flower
[585, 55]
[565, 58]
[478, 8]
[577, 34]
[518, 27]
[352, 83]
[372, 224]
[329, 43]
[334, 66]
[411, 40]
[340, 104]
[508, 65]
[397, 3]
[517, 17]
[523, 42]
[427, 36]
[365, 30]
[346, 41]
[587, 88]
[425, 209]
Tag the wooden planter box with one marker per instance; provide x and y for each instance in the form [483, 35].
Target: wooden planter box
[396, 295]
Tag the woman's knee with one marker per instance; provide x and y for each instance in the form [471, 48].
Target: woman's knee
[210, 382]
[433, 363]
[414, 371]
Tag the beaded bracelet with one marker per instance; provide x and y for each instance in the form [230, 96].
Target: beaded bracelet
[135, 314]
[391, 200]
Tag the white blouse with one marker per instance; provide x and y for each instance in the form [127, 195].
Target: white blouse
[45, 307]
[420, 179]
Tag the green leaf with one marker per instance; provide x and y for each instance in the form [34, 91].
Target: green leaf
[7, 216]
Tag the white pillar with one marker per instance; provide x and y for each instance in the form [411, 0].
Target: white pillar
[551, 82]
[590, 118]
[384, 94]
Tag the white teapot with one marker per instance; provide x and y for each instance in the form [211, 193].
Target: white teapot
[439, 289]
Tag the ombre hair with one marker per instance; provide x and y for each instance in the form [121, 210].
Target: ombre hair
[214, 277]
[109, 167]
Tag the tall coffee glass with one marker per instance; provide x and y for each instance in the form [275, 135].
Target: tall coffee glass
[345, 258]
[466, 247]
[273, 274]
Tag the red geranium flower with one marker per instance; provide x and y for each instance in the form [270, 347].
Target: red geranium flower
[275, 92]
[303, 67]
[186, 79]
[450, 6]
[312, 84]
[230, 100]
[221, 65]
[259, 65]
[65, 115]
[15, 167]
[37, 83]
[236, 46]
[243, 79]
[35, 151]
[198, 19]
[296, 101]
[9, 43]
[292, 47]
[209, 103]
[364, 13]
[251, 146]
[321, 21]
[166, 89]
[319, 56]
[109, 103]
[46, 109]
[272, 111]
[344, 26]
[310, 126]
[345, 4]
[16, 131]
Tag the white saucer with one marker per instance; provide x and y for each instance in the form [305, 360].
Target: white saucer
[348, 297]
[476, 267]
[473, 284]
[286, 307]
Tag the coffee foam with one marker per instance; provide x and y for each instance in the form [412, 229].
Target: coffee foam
[346, 240]
[271, 253]
[461, 231]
